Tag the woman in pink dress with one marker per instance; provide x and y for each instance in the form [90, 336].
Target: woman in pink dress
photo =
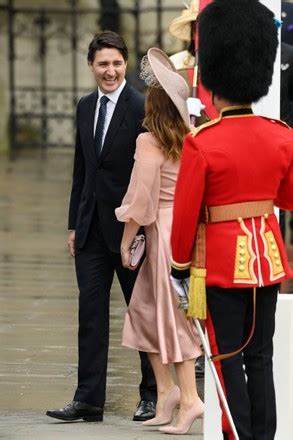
[154, 323]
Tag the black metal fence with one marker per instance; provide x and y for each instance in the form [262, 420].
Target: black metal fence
[46, 47]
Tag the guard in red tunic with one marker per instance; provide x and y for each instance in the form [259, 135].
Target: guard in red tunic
[225, 235]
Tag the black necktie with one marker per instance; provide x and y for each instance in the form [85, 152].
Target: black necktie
[100, 124]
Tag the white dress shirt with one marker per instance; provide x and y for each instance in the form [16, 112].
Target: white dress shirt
[111, 104]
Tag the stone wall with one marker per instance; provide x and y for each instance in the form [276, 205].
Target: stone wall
[59, 73]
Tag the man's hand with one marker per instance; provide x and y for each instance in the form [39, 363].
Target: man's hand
[181, 288]
[195, 106]
[71, 243]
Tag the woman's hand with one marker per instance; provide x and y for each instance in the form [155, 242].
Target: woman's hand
[130, 231]
[125, 257]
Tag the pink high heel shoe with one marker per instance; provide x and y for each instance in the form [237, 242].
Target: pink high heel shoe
[195, 412]
[172, 400]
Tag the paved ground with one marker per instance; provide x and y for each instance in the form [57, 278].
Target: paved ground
[30, 426]
[38, 306]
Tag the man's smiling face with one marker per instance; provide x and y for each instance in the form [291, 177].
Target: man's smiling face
[109, 69]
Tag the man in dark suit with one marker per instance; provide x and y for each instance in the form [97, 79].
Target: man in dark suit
[108, 123]
[287, 83]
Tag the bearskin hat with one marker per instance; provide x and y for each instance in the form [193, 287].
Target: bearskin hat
[238, 41]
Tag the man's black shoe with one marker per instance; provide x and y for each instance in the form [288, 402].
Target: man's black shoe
[76, 411]
[145, 410]
[199, 367]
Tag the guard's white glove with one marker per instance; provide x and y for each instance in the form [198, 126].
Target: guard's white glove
[181, 288]
[195, 106]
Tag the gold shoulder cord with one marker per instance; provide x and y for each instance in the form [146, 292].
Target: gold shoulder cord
[278, 121]
[194, 131]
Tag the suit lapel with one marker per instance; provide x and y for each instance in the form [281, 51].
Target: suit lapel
[119, 112]
[89, 117]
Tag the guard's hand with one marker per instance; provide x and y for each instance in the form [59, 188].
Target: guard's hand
[71, 243]
[195, 106]
[181, 288]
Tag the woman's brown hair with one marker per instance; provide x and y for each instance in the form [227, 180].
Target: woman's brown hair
[164, 120]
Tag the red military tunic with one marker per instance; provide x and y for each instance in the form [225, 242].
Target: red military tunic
[238, 158]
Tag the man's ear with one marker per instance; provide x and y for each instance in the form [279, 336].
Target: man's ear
[90, 64]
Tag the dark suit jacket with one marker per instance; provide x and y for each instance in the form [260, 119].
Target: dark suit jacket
[287, 83]
[104, 180]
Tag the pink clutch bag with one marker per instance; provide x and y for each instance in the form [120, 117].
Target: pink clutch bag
[137, 250]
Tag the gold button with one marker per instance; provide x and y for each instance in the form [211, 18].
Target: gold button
[241, 260]
[241, 268]
[241, 244]
[274, 247]
[278, 262]
[276, 255]
[266, 215]
[242, 253]
[272, 240]
[239, 219]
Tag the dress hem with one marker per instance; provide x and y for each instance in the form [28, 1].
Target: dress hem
[164, 362]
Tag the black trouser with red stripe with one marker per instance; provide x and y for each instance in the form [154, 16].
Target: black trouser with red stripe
[250, 393]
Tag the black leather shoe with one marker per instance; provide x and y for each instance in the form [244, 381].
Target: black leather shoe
[199, 367]
[76, 411]
[145, 410]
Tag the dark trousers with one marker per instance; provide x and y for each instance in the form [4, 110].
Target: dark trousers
[95, 267]
[247, 378]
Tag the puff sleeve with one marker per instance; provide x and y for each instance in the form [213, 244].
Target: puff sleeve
[141, 201]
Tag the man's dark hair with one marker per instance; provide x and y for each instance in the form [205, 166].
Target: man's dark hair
[107, 39]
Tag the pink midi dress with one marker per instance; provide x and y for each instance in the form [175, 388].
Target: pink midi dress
[153, 322]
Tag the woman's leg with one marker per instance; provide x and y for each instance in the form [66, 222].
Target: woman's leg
[191, 407]
[164, 380]
[188, 392]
